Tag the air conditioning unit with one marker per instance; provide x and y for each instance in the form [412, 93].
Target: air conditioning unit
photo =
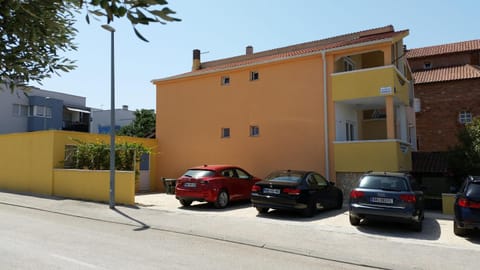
[417, 106]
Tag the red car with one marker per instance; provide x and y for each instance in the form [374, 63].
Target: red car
[217, 184]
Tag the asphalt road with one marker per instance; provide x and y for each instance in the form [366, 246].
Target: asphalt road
[159, 234]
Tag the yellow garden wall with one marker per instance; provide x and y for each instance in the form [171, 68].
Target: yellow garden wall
[63, 138]
[94, 185]
[28, 160]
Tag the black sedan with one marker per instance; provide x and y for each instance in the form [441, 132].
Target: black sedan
[303, 191]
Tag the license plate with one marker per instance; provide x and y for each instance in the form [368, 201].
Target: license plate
[190, 185]
[271, 191]
[381, 200]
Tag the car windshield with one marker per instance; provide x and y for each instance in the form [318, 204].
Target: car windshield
[196, 173]
[292, 177]
[391, 183]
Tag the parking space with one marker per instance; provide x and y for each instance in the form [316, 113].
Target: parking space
[437, 227]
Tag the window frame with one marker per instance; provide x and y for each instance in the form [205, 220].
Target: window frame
[348, 64]
[254, 75]
[465, 117]
[225, 133]
[225, 80]
[20, 110]
[254, 131]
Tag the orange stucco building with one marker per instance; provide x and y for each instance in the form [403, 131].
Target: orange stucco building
[340, 106]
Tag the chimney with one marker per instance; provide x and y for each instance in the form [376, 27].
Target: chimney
[196, 60]
[125, 107]
[249, 50]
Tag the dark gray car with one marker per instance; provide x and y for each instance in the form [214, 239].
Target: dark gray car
[387, 196]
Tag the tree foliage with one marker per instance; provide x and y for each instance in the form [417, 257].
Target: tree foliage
[465, 157]
[142, 126]
[35, 33]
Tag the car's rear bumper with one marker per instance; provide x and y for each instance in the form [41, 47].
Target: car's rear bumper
[266, 201]
[195, 195]
[467, 218]
[467, 224]
[406, 215]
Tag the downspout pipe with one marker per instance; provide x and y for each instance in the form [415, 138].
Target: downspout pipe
[325, 115]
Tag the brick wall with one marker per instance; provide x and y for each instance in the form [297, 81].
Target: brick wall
[437, 123]
[447, 60]
[438, 61]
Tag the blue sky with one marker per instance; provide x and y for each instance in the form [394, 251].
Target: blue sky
[223, 28]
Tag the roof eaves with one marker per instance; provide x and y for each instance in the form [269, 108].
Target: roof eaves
[211, 70]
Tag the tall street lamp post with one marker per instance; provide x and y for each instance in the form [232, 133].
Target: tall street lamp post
[112, 118]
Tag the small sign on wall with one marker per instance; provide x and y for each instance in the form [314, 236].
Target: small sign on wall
[386, 90]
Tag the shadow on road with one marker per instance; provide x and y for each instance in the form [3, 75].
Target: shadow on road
[473, 237]
[431, 229]
[142, 227]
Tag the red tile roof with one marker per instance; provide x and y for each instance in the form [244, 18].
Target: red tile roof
[447, 74]
[464, 46]
[298, 50]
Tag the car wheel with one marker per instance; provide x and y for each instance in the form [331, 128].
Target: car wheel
[185, 202]
[339, 201]
[457, 230]
[262, 210]
[417, 226]
[310, 210]
[222, 199]
[355, 221]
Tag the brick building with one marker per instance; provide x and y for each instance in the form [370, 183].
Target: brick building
[447, 83]
[447, 86]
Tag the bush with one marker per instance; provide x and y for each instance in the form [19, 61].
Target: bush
[96, 156]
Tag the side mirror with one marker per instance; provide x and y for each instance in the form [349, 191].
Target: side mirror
[331, 183]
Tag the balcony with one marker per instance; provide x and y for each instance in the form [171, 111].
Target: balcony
[370, 83]
[374, 155]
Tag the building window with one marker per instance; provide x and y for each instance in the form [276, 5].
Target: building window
[349, 131]
[40, 111]
[348, 64]
[254, 76]
[254, 131]
[225, 132]
[465, 117]
[427, 65]
[225, 80]
[48, 112]
[20, 110]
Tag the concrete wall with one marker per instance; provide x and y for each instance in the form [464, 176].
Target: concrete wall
[94, 185]
[28, 161]
[9, 122]
[101, 120]
[286, 103]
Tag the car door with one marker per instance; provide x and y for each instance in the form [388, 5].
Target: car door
[326, 194]
[243, 183]
[229, 183]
